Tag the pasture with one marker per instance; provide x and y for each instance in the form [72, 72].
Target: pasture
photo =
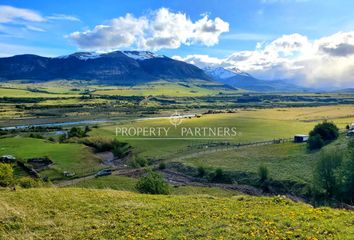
[251, 124]
[70, 157]
[74, 213]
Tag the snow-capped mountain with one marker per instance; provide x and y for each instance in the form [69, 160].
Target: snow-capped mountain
[224, 73]
[118, 67]
[141, 55]
[234, 77]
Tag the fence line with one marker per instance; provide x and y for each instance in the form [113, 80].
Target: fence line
[211, 147]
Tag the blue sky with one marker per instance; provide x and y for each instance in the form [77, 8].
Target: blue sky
[310, 42]
[250, 21]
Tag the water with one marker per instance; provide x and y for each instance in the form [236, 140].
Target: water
[60, 124]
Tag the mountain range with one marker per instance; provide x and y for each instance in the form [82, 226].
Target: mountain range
[238, 79]
[119, 68]
[128, 68]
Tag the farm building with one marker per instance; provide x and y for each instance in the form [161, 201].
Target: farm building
[301, 138]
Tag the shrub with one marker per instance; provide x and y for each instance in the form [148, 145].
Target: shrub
[315, 142]
[152, 183]
[325, 176]
[347, 179]
[120, 149]
[6, 174]
[263, 173]
[76, 132]
[219, 176]
[137, 162]
[162, 166]
[201, 171]
[34, 135]
[328, 131]
[28, 182]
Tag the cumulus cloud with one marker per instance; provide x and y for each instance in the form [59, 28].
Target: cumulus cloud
[324, 62]
[159, 29]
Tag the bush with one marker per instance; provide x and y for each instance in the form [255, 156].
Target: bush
[152, 183]
[76, 132]
[120, 149]
[162, 166]
[315, 142]
[263, 173]
[137, 162]
[347, 179]
[28, 182]
[328, 131]
[100, 144]
[6, 174]
[34, 135]
[325, 176]
[201, 171]
[219, 176]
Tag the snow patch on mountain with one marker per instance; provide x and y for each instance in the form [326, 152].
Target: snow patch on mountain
[141, 55]
[82, 55]
[224, 73]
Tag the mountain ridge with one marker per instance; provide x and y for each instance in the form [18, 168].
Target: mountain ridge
[239, 79]
[118, 67]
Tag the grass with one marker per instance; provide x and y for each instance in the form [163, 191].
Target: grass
[252, 124]
[70, 157]
[128, 184]
[165, 88]
[70, 213]
[287, 161]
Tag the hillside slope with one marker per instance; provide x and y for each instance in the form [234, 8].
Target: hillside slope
[107, 214]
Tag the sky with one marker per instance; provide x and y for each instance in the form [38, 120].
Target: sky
[310, 42]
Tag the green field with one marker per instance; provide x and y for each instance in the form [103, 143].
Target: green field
[287, 161]
[252, 124]
[128, 184]
[70, 157]
[74, 213]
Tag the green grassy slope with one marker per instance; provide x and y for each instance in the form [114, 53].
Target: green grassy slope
[108, 214]
[66, 157]
[128, 184]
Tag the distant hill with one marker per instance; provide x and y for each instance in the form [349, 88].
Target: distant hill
[238, 79]
[119, 67]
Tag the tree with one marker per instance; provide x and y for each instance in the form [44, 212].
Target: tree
[315, 142]
[325, 176]
[6, 174]
[328, 131]
[152, 183]
[347, 180]
[76, 132]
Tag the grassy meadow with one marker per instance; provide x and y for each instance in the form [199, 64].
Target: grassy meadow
[252, 125]
[70, 157]
[75, 213]
[123, 183]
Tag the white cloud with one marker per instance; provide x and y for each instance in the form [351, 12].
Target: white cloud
[159, 29]
[9, 14]
[63, 17]
[325, 62]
